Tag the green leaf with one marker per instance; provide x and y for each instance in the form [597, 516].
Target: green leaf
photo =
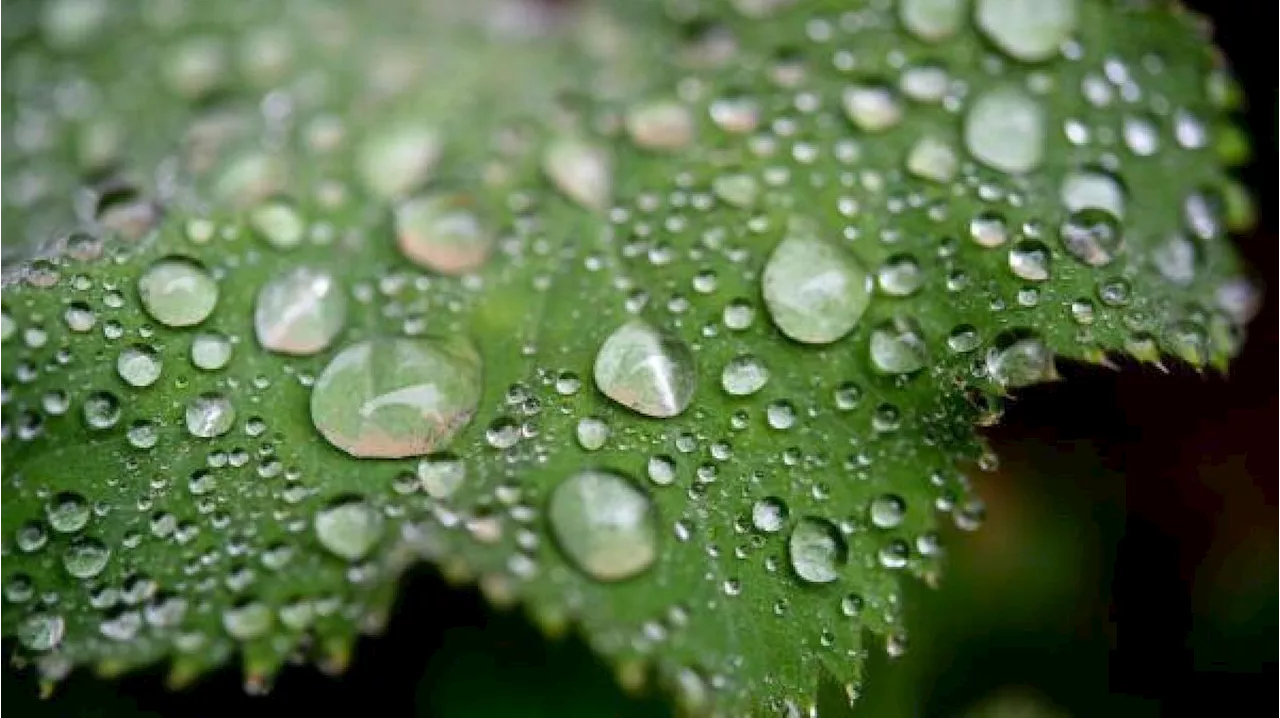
[671, 323]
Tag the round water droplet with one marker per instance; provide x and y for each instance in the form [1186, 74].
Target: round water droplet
[744, 375]
[1092, 236]
[1019, 359]
[279, 224]
[68, 512]
[660, 125]
[872, 108]
[79, 317]
[41, 632]
[85, 557]
[142, 434]
[769, 514]
[441, 475]
[1005, 130]
[933, 158]
[210, 415]
[392, 398]
[814, 292]
[210, 351]
[1027, 30]
[1093, 189]
[299, 312]
[395, 161]
[900, 276]
[605, 525]
[897, 347]
[736, 189]
[1029, 260]
[817, 550]
[101, 410]
[139, 365]
[248, 621]
[931, 20]
[739, 315]
[349, 528]
[646, 371]
[989, 230]
[440, 232]
[592, 433]
[780, 415]
[1176, 259]
[887, 511]
[662, 470]
[177, 292]
[963, 339]
[581, 170]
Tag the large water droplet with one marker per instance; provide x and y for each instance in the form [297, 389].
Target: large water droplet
[349, 528]
[1005, 130]
[744, 375]
[897, 347]
[769, 514]
[101, 410]
[177, 292]
[138, 365]
[394, 162]
[85, 557]
[1028, 30]
[1019, 359]
[931, 20]
[1091, 189]
[817, 551]
[440, 232]
[1092, 236]
[68, 512]
[210, 415]
[299, 312]
[248, 621]
[605, 525]
[41, 632]
[646, 371]
[392, 398]
[581, 170]
[814, 291]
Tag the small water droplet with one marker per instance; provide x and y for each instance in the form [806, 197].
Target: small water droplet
[872, 108]
[744, 375]
[814, 291]
[101, 410]
[581, 170]
[68, 512]
[897, 347]
[393, 162]
[85, 557]
[900, 276]
[769, 514]
[662, 469]
[887, 511]
[963, 338]
[441, 475]
[139, 365]
[210, 415]
[279, 224]
[1029, 260]
[605, 525]
[738, 315]
[248, 621]
[1092, 236]
[440, 232]
[933, 158]
[661, 125]
[41, 632]
[592, 433]
[931, 20]
[736, 189]
[349, 528]
[1093, 189]
[210, 351]
[1176, 259]
[1018, 359]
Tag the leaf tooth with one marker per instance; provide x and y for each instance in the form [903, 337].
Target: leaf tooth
[183, 672]
[336, 655]
[500, 590]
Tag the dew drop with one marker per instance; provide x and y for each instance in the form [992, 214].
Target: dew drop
[744, 375]
[646, 371]
[872, 108]
[349, 528]
[210, 351]
[279, 224]
[442, 233]
[210, 415]
[931, 20]
[988, 230]
[738, 315]
[1029, 260]
[1019, 359]
[736, 189]
[592, 433]
[582, 171]
[963, 338]
[661, 125]
[814, 292]
[41, 632]
[1092, 236]
[1027, 30]
[661, 469]
[68, 512]
[1093, 189]
[1176, 258]
[79, 317]
[900, 276]
[101, 410]
[248, 621]
[85, 557]
[177, 292]
[933, 159]
[816, 550]
[769, 514]
[897, 347]
[1005, 130]
[605, 525]
[299, 312]
[887, 511]
[392, 398]
[440, 476]
[395, 161]
[139, 365]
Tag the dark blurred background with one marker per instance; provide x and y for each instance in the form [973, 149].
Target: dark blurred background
[1128, 565]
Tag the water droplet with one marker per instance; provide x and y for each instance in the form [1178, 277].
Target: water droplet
[279, 223]
[1140, 136]
[392, 398]
[177, 292]
[963, 338]
[894, 554]
[502, 433]
[1027, 30]
[872, 108]
[737, 189]
[1093, 189]
[441, 475]
[299, 312]
[662, 470]
[897, 347]
[139, 365]
[592, 433]
[210, 351]
[900, 276]
[1005, 130]
[68, 512]
[79, 317]
[814, 291]
[931, 20]
[440, 232]
[816, 550]
[887, 511]
[1029, 260]
[933, 159]
[210, 415]
[769, 514]
[395, 161]
[780, 415]
[1092, 236]
[142, 434]
[744, 375]
[660, 125]
[349, 528]
[41, 632]
[605, 525]
[1019, 359]
[988, 230]
[581, 170]
[248, 621]
[646, 371]
[739, 315]
[85, 557]
[101, 410]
